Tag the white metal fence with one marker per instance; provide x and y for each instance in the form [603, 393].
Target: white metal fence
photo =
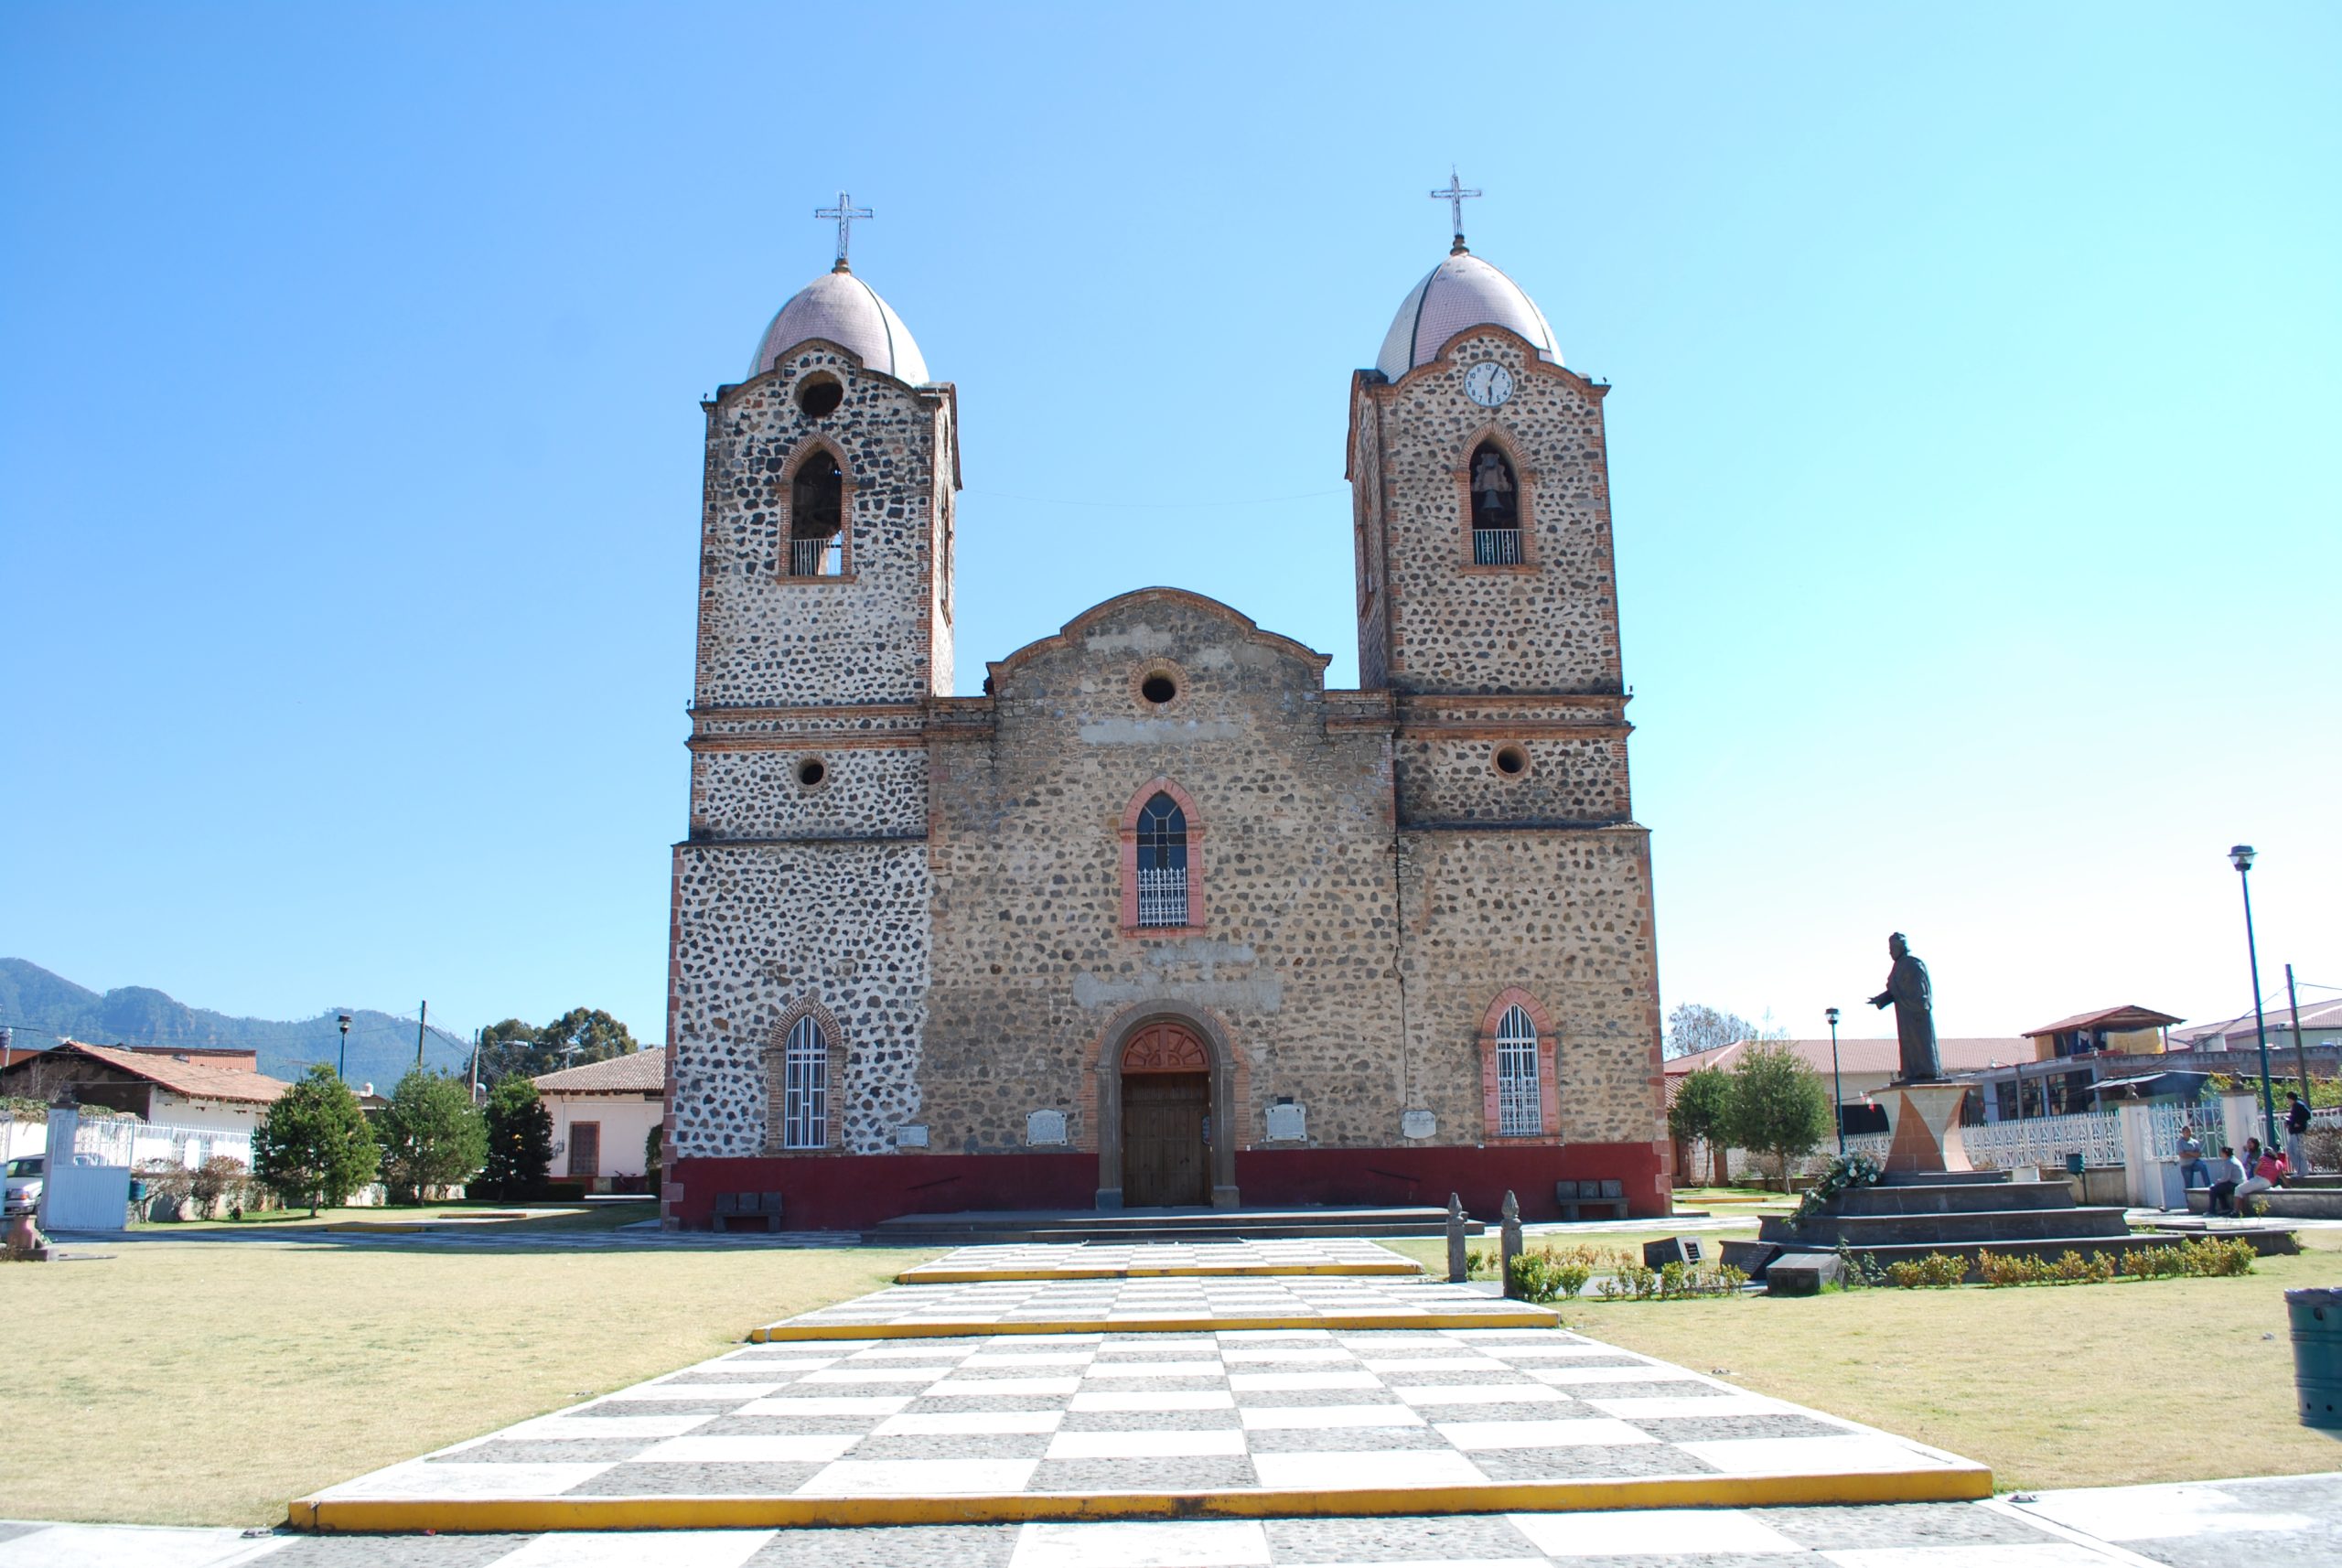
[2096, 1135]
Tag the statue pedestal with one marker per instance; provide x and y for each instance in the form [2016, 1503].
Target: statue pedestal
[1923, 1124]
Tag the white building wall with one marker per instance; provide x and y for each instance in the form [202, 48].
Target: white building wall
[626, 1120]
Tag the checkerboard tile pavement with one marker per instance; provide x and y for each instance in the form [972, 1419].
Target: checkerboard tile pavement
[1898, 1535]
[1044, 1261]
[1232, 1300]
[1067, 1416]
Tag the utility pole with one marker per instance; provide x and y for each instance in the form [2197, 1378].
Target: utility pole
[2301, 1052]
[475, 1067]
[422, 1023]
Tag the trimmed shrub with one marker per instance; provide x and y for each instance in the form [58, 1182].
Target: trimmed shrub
[1937, 1270]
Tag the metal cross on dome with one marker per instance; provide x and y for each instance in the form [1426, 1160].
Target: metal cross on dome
[845, 212]
[1456, 196]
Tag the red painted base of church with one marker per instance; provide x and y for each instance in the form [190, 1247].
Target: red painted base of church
[851, 1192]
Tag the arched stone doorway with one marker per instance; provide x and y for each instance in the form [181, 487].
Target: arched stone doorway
[1164, 1122]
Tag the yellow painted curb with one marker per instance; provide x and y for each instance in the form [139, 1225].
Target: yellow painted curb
[1950, 1483]
[778, 1333]
[935, 1276]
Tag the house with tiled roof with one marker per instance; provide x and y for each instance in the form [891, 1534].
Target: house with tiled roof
[193, 1089]
[602, 1117]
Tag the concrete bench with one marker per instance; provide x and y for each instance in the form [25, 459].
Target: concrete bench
[1582, 1199]
[747, 1206]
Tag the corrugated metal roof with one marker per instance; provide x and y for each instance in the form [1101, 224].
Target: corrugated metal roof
[2129, 1015]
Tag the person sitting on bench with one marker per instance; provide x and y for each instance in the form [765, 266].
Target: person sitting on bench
[2226, 1177]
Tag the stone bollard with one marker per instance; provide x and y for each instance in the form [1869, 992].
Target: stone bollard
[1457, 1265]
[1511, 1240]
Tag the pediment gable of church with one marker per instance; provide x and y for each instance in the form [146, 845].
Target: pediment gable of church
[1186, 628]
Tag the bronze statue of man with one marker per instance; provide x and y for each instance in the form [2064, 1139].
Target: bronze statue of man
[1915, 1019]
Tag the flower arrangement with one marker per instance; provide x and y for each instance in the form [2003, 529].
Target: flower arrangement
[1845, 1171]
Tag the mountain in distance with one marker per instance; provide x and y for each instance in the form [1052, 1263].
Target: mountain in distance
[40, 1007]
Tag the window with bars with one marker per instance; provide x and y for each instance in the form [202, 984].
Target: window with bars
[805, 1087]
[1162, 863]
[1521, 1112]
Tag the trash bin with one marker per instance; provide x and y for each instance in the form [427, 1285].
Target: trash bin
[2074, 1163]
[2317, 1315]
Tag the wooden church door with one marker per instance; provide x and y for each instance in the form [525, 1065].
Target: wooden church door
[1166, 1099]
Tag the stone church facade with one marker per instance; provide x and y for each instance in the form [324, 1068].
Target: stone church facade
[1159, 918]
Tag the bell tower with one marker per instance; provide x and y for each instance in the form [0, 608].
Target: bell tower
[797, 967]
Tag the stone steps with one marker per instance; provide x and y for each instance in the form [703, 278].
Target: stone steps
[1990, 1226]
[1970, 1197]
[1160, 1225]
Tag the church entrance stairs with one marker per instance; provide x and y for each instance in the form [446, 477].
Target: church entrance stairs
[1158, 1225]
[1148, 1397]
[1121, 1260]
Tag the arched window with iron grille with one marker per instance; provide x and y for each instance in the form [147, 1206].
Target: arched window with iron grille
[1162, 863]
[805, 1087]
[1519, 1097]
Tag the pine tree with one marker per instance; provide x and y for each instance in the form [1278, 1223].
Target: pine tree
[519, 1139]
[431, 1133]
[315, 1147]
[1703, 1113]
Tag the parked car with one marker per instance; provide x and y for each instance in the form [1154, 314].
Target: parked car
[24, 1179]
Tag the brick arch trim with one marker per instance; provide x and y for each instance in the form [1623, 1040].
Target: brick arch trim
[775, 1087]
[1231, 1091]
[785, 505]
[1549, 1078]
[1160, 785]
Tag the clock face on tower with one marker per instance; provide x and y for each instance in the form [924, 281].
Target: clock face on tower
[1487, 383]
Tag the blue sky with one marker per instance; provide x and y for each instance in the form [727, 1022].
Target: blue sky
[1972, 445]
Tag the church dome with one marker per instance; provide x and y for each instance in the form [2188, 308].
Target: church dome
[841, 308]
[1462, 290]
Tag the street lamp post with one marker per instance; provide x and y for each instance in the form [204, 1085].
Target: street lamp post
[341, 1066]
[2241, 857]
[1837, 1084]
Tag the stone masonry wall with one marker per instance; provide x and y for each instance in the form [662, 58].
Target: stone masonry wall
[1571, 779]
[758, 928]
[1550, 625]
[1297, 959]
[758, 795]
[1565, 916]
[861, 637]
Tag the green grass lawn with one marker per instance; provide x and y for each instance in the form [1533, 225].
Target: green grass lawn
[606, 1215]
[211, 1382]
[2052, 1386]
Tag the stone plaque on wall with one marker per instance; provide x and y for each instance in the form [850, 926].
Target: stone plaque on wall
[1417, 1124]
[1288, 1123]
[1045, 1127]
[910, 1137]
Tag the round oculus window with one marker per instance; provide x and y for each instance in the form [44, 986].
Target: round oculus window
[819, 397]
[811, 771]
[1158, 688]
[1512, 761]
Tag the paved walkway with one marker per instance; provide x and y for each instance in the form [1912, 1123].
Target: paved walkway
[2279, 1522]
[1111, 1260]
[1236, 1422]
[1330, 1301]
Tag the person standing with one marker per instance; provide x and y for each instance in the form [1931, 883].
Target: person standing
[2192, 1171]
[2297, 1130]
